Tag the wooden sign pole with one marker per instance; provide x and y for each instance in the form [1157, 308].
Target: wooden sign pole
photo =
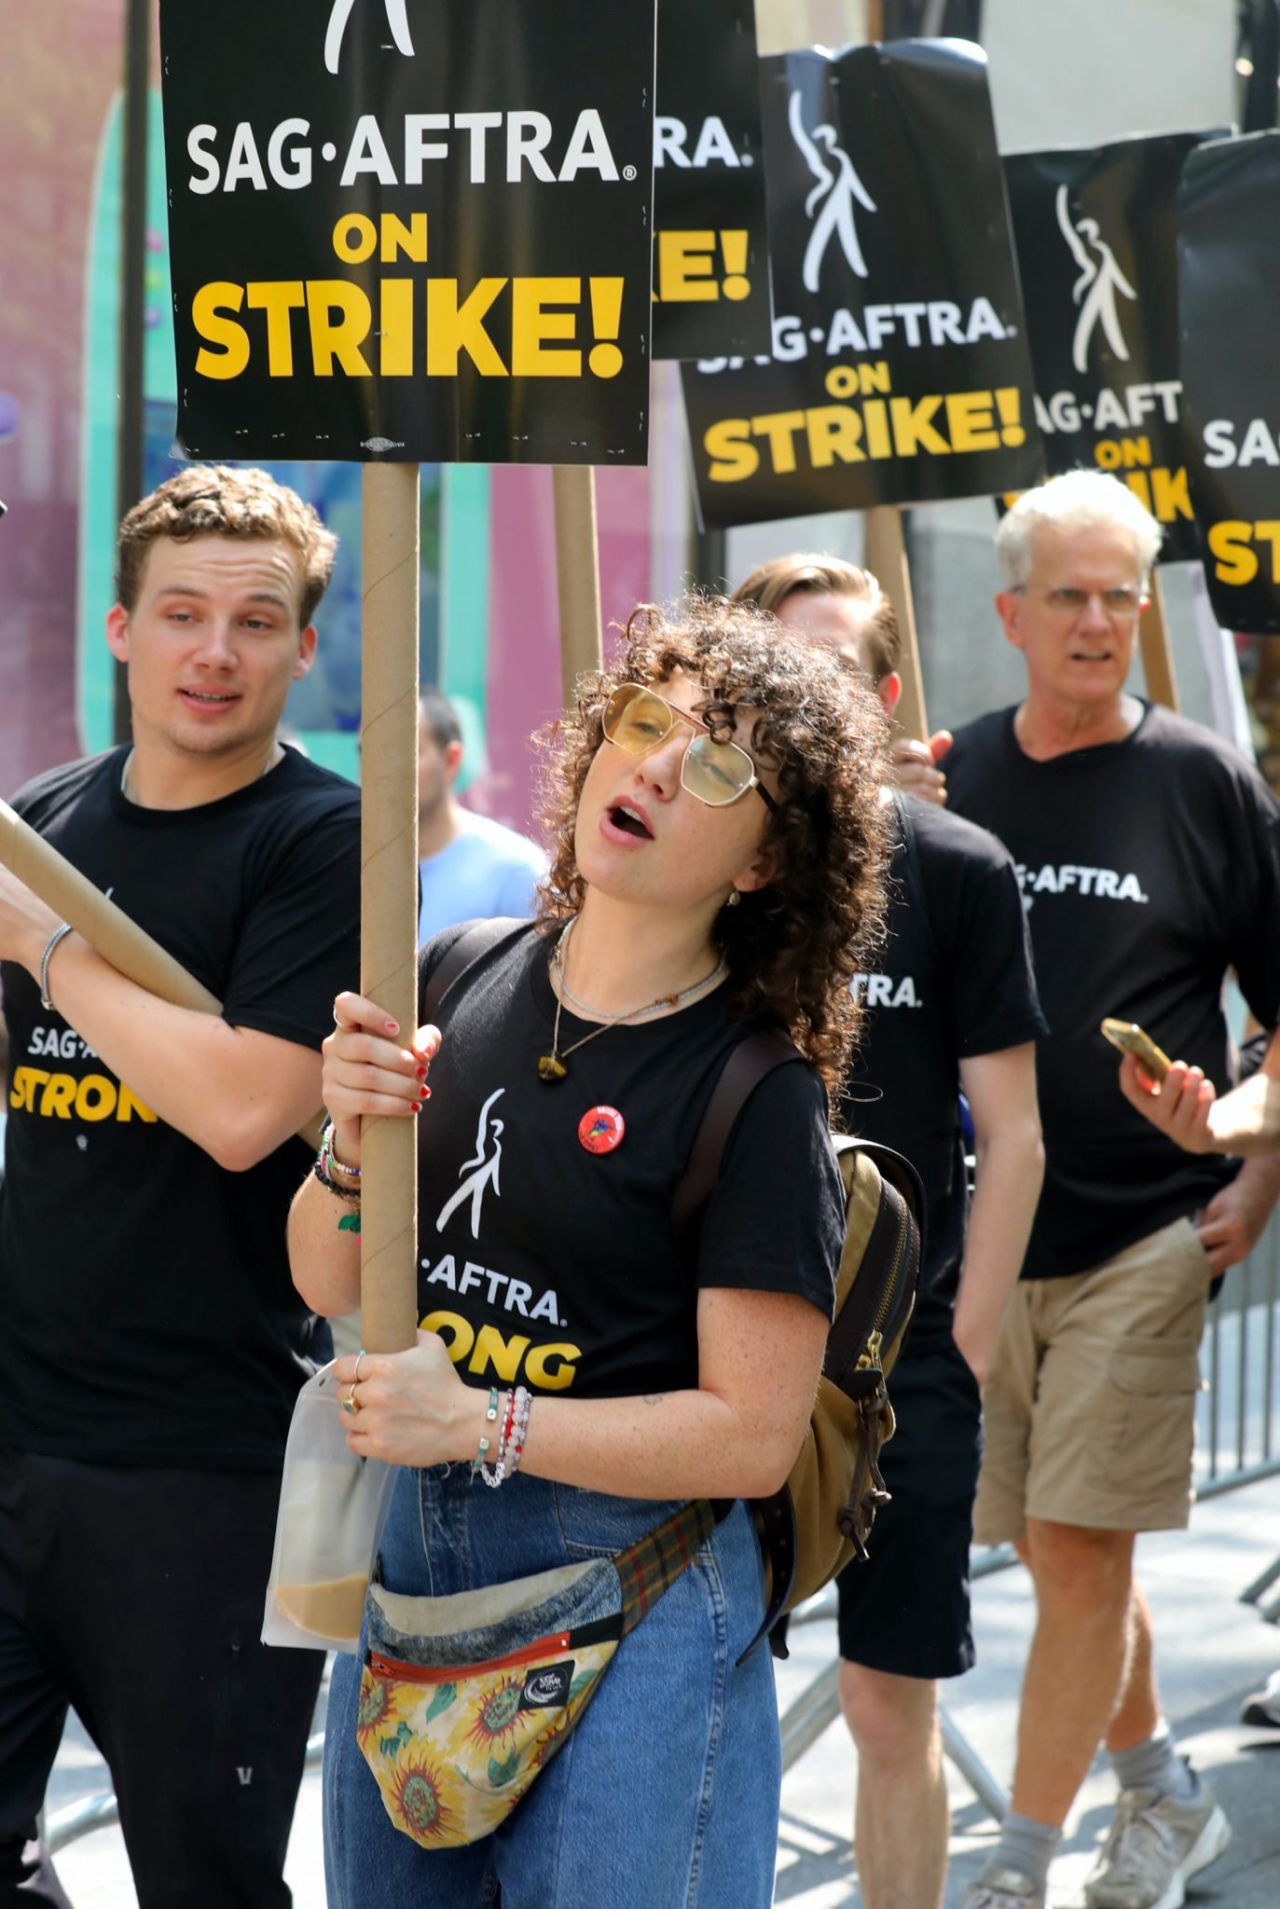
[886, 556]
[1157, 652]
[389, 887]
[577, 573]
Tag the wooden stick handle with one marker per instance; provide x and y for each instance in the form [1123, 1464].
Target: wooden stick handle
[106, 927]
[389, 889]
[1157, 651]
[577, 573]
[886, 553]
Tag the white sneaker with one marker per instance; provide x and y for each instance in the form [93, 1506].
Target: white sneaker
[998, 1888]
[1154, 1847]
[1263, 1708]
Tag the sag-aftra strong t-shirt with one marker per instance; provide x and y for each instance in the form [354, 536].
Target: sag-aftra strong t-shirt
[147, 1316]
[546, 1263]
[1148, 868]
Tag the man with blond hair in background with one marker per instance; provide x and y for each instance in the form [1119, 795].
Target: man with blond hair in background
[154, 1343]
[952, 1005]
[1147, 852]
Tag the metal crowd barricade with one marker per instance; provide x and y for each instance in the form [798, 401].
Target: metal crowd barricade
[818, 1704]
[1237, 1424]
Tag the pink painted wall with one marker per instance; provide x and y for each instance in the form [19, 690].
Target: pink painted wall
[59, 67]
[524, 630]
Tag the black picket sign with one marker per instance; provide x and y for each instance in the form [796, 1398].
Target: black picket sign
[1228, 294]
[413, 230]
[899, 370]
[1096, 238]
[711, 243]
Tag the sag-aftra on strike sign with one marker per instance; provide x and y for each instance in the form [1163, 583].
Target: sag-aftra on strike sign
[899, 370]
[411, 229]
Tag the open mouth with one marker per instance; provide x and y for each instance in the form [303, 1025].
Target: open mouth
[209, 698]
[629, 821]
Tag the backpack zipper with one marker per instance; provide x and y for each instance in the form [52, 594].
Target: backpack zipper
[873, 1350]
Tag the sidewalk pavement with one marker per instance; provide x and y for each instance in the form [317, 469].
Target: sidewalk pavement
[1212, 1651]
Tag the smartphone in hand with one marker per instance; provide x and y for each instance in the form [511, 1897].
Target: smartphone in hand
[1132, 1039]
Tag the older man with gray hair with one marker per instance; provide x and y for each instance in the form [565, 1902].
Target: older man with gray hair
[1147, 853]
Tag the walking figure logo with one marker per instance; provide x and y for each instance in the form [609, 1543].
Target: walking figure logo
[480, 1171]
[1099, 281]
[340, 13]
[835, 191]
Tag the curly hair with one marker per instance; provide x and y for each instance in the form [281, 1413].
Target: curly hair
[220, 500]
[792, 947]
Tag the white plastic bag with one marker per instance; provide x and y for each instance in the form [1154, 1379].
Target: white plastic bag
[332, 1504]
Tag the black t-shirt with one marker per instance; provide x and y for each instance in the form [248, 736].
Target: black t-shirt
[544, 1263]
[955, 981]
[1148, 867]
[147, 1316]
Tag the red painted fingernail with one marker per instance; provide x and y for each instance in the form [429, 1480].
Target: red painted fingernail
[422, 1073]
[417, 1106]
[393, 1027]
[425, 1095]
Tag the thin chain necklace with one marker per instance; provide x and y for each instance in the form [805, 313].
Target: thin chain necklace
[551, 1067]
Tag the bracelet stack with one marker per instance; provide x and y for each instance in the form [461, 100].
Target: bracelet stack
[515, 1430]
[334, 1174]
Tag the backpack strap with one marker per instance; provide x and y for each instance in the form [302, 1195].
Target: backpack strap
[741, 1074]
[474, 942]
[902, 1196]
[750, 1062]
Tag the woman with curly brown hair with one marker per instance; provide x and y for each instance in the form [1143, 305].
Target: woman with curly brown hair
[717, 842]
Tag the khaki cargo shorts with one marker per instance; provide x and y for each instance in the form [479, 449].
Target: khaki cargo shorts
[1090, 1405]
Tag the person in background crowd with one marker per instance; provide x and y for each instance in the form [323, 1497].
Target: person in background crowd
[469, 865]
[1147, 852]
[952, 1005]
[153, 1344]
[718, 844]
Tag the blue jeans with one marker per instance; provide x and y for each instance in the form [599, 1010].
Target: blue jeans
[665, 1795]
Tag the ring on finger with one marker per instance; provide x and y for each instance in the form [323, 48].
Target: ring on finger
[356, 1376]
[351, 1403]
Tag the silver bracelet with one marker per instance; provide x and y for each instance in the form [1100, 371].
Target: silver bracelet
[63, 929]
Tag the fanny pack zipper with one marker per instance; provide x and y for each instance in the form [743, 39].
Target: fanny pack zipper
[447, 1673]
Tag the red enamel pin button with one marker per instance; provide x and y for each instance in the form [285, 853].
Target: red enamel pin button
[601, 1129]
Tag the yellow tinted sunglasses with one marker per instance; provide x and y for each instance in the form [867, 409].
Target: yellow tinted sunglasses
[717, 773]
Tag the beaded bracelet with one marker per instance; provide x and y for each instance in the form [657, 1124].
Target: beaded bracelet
[515, 1429]
[520, 1431]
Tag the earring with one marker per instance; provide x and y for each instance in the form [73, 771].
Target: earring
[735, 896]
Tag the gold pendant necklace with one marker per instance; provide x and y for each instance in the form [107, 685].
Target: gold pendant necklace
[551, 1067]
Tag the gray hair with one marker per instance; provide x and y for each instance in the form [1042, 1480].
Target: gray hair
[1079, 500]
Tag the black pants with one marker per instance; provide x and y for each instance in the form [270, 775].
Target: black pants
[136, 1596]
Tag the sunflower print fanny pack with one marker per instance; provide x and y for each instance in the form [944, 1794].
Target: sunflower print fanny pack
[464, 1699]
